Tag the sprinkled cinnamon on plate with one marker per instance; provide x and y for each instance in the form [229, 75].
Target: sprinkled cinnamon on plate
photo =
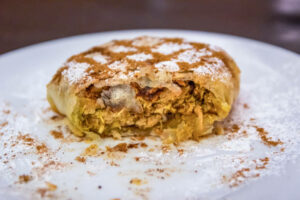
[267, 140]
[41, 148]
[234, 180]
[26, 139]
[243, 174]
[263, 163]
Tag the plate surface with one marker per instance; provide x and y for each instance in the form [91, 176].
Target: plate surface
[256, 159]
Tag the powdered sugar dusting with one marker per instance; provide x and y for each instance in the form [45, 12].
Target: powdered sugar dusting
[146, 41]
[213, 68]
[119, 49]
[215, 48]
[75, 72]
[118, 65]
[128, 75]
[203, 70]
[140, 57]
[122, 76]
[192, 56]
[168, 48]
[98, 57]
[170, 66]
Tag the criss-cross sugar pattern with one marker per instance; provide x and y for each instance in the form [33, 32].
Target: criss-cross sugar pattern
[201, 61]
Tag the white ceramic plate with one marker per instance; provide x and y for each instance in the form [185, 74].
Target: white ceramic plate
[234, 166]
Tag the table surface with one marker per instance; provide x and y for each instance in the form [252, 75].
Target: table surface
[25, 22]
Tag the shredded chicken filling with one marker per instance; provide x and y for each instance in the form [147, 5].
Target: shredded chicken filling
[126, 108]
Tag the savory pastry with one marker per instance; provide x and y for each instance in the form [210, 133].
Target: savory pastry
[167, 87]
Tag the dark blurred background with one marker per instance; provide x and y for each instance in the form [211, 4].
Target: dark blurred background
[25, 22]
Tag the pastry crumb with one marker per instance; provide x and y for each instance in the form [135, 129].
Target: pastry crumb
[121, 147]
[57, 134]
[80, 159]
[137, 181]
[25, 178]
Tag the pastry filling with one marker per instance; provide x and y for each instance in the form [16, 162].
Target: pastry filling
[133, 109]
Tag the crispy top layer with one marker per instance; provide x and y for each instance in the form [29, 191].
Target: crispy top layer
[124, 60]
